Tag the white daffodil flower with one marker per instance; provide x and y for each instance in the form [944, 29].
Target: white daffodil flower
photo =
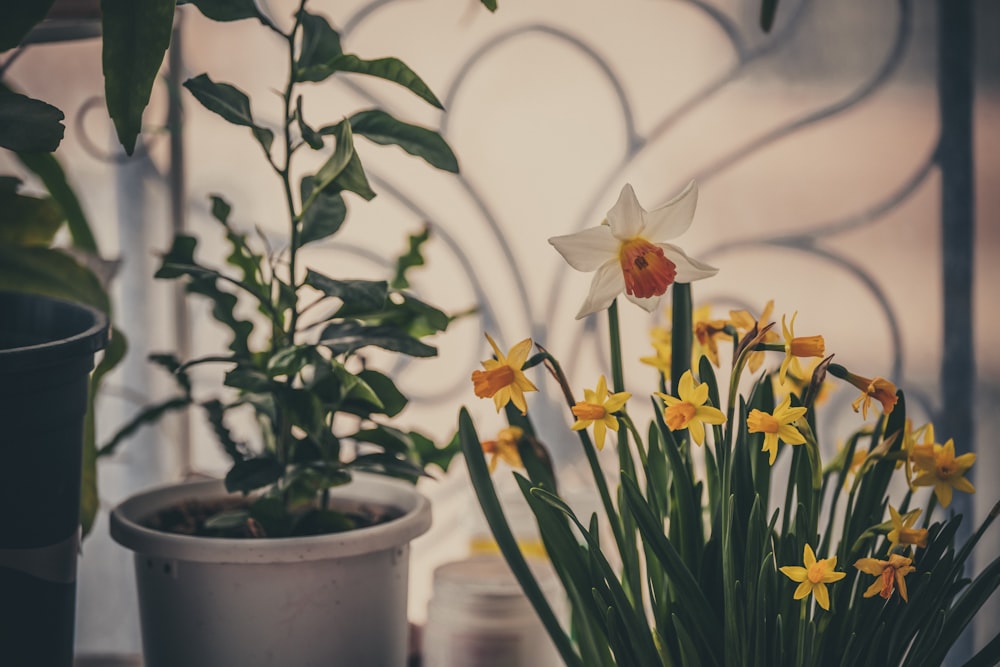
[629, 253]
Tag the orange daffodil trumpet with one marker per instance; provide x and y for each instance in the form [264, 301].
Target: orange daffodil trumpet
[502, 378]
[597, 408]
[798, 346]
[504, 448]
[688, 409]
[814, 576]
[890, 574]
[629, 253]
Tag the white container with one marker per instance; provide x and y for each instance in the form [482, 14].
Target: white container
[321, 601]
[479, 617]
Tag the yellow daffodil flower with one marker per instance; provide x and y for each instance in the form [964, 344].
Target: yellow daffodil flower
[629, 254]
[660, 338]
[503, 380]
[598, 408]
[903, 531]
[744, 322]
[798, 346]
[947, 473]
[504, 448]
[777, 425]
[814, 577]
[918, 445]
[706, 331]
[890, 574]
[689, 410]
[876, 388]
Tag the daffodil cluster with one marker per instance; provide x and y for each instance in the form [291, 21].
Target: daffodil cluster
[725, 557]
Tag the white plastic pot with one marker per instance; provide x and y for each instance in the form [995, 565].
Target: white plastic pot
[323, 601]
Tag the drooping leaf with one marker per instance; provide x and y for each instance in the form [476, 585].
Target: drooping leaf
[384, 129]
[353, 179]
[336, 163]
[50, 272]
[324, 216]
[28, 221]
[229, 102]
[28, 125]
[391, 398]
[18, 18]
[320, 47]
[136, 34]
[390, 69]
[348, 336]
[227, 10]
[47, 167]
[363, 295]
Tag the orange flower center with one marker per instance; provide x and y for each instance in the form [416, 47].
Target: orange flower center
[647, 272]
[808, 346]
[487, 383]
[761, 422]
[590, 411]
[678, 416]
[816, 572]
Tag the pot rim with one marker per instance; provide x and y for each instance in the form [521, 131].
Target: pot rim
[91, 336]
[367, 487]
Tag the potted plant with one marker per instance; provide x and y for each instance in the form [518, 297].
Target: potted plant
[299, 556]
[709, 553]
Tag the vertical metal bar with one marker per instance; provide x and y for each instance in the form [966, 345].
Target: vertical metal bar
[956, 88]
[178, 197]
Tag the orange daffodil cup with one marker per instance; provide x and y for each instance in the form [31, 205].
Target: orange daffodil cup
[629, 252]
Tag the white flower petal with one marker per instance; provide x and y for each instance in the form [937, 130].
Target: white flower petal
[673, 218]
[648, 304]
[626, 217]
[608, 283]
[689, 269]
[588, 249]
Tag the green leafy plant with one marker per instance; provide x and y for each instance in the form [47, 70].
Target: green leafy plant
[708, 555]
[322, 410]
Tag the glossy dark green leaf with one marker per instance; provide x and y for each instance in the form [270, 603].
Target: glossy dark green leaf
[353, 179]
[176, 262]
[227, 10]
[342, 153]
[390, 69]
[320, 47]
[392, 399]
[364, 295]
[248, 379]
[324, 216]
[136, 34]
[384, 129]
[28, 125]
[18, 17]
[768, 8]
[348, 336]
[230, 103]
[253, 474]
[47, 168]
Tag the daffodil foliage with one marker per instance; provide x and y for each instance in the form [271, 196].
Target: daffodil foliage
[705, 555]
[298, 339]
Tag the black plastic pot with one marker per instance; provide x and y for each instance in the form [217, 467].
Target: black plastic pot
[47, 351]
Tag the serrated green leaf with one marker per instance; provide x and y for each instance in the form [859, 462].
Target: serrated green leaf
[411, 258]
[224, 306]
[145, 417]
[325, 215]
[28, 125]
[320, 47]
[135, 34]
[390, 69]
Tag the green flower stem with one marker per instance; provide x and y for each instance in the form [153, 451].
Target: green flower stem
[800, 640]
[614, 334]
[624, 419]
[680, 333]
